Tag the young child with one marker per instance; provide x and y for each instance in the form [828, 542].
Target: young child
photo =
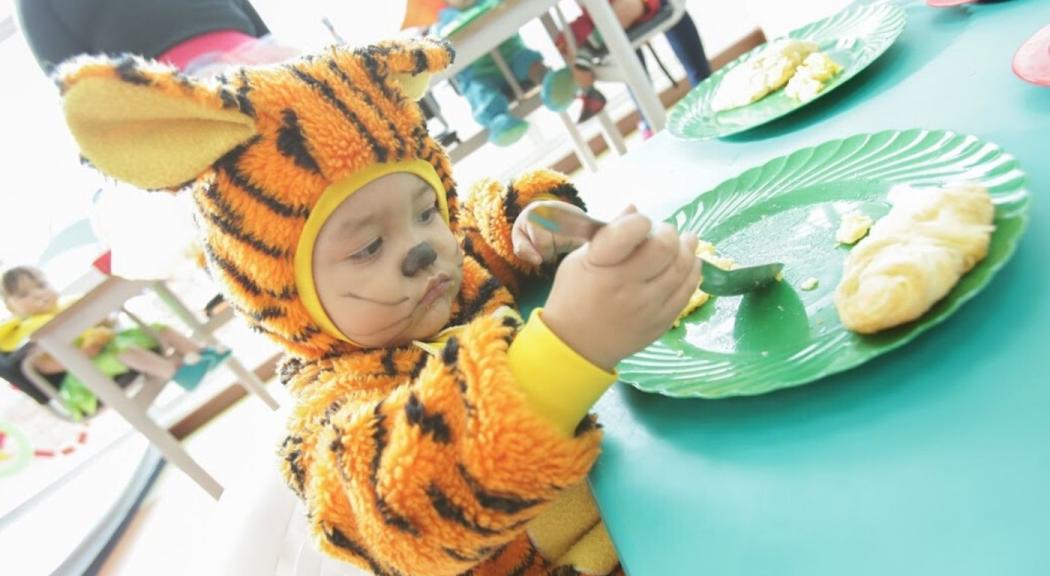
[589, 46]
[484, 86]
[33, 303]
[433, 433]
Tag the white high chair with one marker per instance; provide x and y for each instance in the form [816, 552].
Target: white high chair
[57, 336]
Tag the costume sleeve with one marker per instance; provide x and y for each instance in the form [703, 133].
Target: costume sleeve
[487, 217]
[435, 476]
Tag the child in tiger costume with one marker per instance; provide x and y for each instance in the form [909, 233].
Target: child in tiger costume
[434, 432]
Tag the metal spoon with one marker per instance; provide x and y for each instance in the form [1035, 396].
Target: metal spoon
[716, 281]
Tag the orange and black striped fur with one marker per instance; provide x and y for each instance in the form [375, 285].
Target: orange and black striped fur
[408, 464]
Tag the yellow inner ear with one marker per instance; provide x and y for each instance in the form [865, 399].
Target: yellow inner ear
[148, 137]
[413, 85]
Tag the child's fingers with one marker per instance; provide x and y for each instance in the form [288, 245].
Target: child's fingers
[528, 254]
[615, 243]
[566, 244]
[683, 291]
[669, 282]
[653, 256]
[523, 246]
[543, 241]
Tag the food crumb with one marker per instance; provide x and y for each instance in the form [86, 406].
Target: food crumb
[809, 283]
[853, 227]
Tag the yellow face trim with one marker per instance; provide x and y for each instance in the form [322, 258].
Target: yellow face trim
[332, 198]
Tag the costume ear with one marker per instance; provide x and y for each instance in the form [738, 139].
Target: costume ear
[412, 62]
[145, 123]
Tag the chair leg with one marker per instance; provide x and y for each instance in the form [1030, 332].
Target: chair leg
[165, 349]
[247, 378]
[612, 133]
[114, 397]
[250, 382]
[660, 63]
[37, 378]
[583, 150]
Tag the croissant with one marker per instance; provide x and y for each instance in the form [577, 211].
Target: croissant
[914, 256]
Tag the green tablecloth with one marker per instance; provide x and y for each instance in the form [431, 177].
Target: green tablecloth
[933, 459]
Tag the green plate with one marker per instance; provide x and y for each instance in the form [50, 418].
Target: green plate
[788, 211]
[466, 17]
[854, 38]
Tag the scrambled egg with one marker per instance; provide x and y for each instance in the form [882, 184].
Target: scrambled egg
[704, 250]
[853, 227]
[768, 71]
[810, 77]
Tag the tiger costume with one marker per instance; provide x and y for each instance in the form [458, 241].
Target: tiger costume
[408, 462]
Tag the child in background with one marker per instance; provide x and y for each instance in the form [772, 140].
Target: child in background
[589, 46]
[33, 303]
[484, 86]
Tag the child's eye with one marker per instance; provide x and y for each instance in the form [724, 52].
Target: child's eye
[368, 251]
[428, 215]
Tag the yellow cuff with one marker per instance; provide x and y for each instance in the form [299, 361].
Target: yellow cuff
[560, 385]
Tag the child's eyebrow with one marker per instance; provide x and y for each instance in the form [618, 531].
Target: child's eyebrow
[424, 190]
[353, 222]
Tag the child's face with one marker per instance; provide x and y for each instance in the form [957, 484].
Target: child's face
[386, 265]
[32, 296]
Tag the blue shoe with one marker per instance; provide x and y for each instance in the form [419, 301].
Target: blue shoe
[214, 356]
[506, 130]
[559, 90]
[189, 376]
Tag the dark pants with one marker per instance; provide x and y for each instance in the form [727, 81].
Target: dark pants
[685, 42]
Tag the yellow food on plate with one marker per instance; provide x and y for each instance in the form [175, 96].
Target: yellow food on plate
[766, 72]
[704, 250]
[853, 227]
[811, 76]
[914, 256]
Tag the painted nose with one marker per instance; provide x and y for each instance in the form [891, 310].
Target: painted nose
[420, 257]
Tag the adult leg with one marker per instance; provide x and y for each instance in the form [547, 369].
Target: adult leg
[685, 42]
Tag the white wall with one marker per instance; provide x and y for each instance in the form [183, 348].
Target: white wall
[778, 17]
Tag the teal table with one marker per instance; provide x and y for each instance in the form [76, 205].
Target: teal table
[933, 459]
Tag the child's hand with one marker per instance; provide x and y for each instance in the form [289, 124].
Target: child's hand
[94, 339]
[534, 243]
[623, 290]
[92, 348]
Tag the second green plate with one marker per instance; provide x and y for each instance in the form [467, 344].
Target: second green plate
[854, 38]
[788, 210]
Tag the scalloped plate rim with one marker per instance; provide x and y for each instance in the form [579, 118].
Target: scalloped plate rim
[1022, 217]
[673, 127]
